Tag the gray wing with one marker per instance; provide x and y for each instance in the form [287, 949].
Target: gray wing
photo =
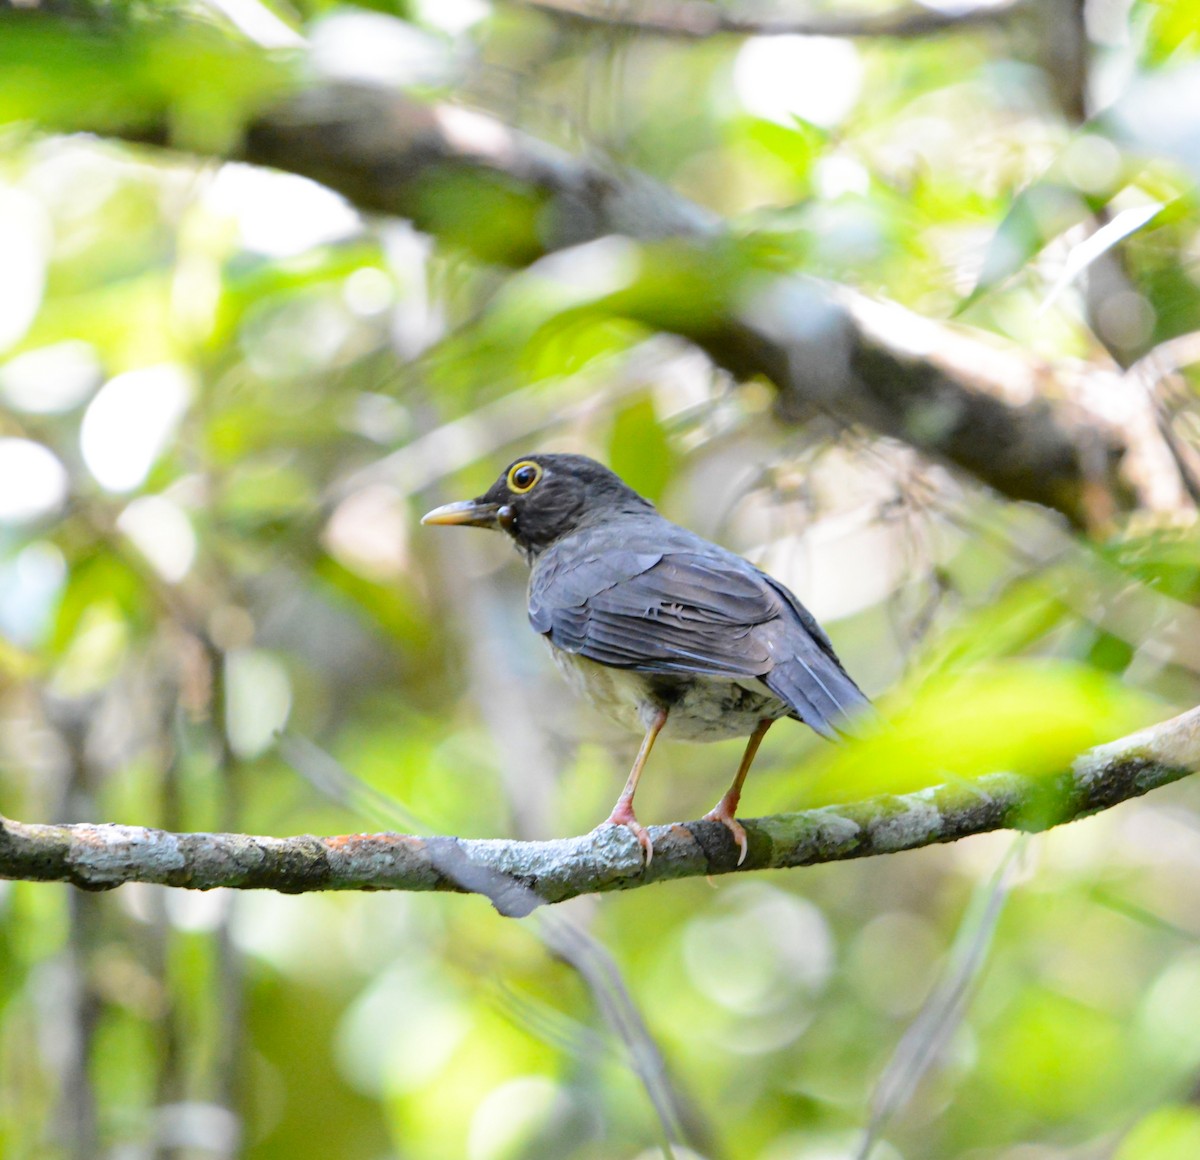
[656, 612]
[702, 613]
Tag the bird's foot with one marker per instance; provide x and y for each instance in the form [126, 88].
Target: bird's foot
[623, 815]
[723, 812]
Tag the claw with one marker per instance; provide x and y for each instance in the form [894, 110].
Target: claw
[623, 815]
[721, 813]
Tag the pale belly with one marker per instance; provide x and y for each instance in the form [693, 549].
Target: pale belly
[698, 708]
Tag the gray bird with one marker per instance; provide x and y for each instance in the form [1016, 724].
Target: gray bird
[657, 627]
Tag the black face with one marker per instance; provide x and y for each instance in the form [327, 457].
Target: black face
[539, 498]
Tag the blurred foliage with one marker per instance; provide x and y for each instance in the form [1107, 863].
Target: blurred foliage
[226, 397]
[106, 78]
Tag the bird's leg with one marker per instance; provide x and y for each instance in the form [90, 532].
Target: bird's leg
[622, 813]
[725, 809]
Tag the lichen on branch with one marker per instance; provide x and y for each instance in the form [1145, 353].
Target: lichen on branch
[519, 876]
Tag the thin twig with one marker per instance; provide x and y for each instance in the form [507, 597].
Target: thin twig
[1023, 426]
[697, 19]
[926, 1037]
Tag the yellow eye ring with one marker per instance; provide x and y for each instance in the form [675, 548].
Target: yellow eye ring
[522, 476]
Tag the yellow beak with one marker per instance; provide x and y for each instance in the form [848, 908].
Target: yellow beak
[469, 512]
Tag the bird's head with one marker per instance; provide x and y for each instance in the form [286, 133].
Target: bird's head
[540, 498]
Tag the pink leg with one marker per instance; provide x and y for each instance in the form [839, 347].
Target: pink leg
[622, 813]
[726, 808]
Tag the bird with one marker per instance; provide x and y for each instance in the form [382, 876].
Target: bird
[662, 630]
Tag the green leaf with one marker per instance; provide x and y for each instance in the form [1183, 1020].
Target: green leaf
[1167, 1133]
[1030, 717]
[184, 78]
[1054, 1056]
[639, 450]
[1006, 624]
[1166, 559]
[1170, 29]
[101, 580]
[1082, 180]
[1037, 216]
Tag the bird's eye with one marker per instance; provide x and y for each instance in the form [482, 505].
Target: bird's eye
[523, 476]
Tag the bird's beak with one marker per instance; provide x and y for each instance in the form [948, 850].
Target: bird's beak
[473, 513]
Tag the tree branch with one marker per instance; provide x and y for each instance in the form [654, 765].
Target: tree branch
[518, 876]
[1029, 429]
[1021, 425]
[696, 19]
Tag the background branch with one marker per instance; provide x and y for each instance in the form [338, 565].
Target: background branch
[1019, 424]
[697, 19]
[454, 172]
[225, 389]
[518, 876]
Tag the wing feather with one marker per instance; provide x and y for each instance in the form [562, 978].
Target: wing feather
[676, 612]
[702, 611]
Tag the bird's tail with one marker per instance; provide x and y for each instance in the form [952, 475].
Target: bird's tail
[820, 692]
